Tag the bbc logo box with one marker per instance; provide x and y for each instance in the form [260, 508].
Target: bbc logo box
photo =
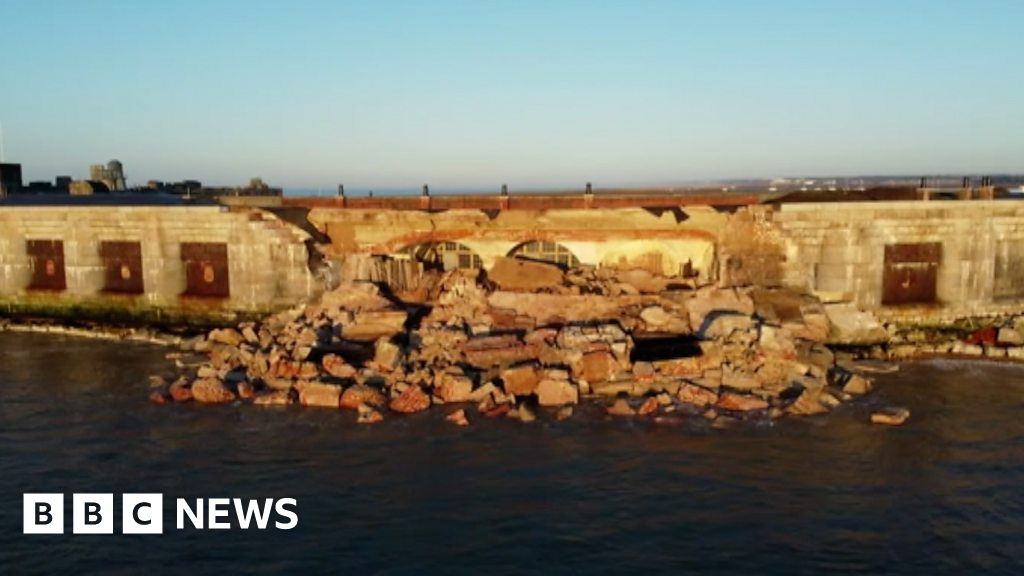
[93, 514]
[43, 514]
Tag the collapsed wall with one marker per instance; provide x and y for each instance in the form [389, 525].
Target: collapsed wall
[528, 334]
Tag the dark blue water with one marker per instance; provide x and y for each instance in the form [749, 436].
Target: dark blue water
[942, 495]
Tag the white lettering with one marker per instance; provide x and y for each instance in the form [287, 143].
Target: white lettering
[195, 517]
[142, 514]
[286, 513]
[42, 514]
[92, 514]
[253, 510]
[218, 508]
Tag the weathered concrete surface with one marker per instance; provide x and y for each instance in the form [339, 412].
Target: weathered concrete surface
[266, 262]
[840, 250]
[886, 257]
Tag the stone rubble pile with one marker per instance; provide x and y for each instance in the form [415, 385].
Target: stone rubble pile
[528, 339]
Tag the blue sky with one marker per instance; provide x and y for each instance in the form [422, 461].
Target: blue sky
[391, 94]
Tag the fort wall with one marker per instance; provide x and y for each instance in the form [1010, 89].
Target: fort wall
[906, 261]
[168, 263]
[914, 262]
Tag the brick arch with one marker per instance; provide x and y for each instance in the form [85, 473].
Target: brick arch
[545, 251]
[448, 255]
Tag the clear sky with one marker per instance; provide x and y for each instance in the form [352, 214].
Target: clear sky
[464, 94]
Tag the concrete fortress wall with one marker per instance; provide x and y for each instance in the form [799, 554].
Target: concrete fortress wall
[907, 261]
[254, 263]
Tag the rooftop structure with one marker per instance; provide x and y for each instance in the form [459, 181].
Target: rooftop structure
[10, 179]
[112, 175]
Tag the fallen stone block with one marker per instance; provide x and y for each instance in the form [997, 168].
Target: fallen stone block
[273, 398]
[458, 418]
[891, 418]
[318, 394]
[373, 325]
[850, 326]
[564, 308]
[368, 415]
[336, 366]
[621, 408]
[521, 380]
[412, 400]
[1010, 337]
[696, 395]
[488, 351]
[454, 388]
[728, 326]
[211, 391]
[738, 380]
[518, 274]
[808, 403]
[387, 355]
[657, 319]
[551, 392]
[740, 403]
[353, 296]
[597, 367]
[649, 406]
[360, 394]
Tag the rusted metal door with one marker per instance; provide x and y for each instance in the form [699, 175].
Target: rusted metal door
[910, 273]
[122, 267]
[206, 269]
[47, 258]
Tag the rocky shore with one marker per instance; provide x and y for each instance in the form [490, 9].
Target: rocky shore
[530, 340]
[94, 331]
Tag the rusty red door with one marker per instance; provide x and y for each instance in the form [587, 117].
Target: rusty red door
[47, 258]
[206, 269]
[911, 273]
[122, 267]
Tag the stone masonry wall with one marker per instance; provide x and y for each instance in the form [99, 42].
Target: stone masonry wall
[838, 251]
[266, 261]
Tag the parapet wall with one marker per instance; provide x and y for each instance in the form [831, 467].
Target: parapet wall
[908, 261]
[166, 263]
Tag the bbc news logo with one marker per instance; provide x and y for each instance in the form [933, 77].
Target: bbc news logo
[144, 513]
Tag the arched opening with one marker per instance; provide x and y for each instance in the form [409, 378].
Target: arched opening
[444, 255]
[546, 252]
